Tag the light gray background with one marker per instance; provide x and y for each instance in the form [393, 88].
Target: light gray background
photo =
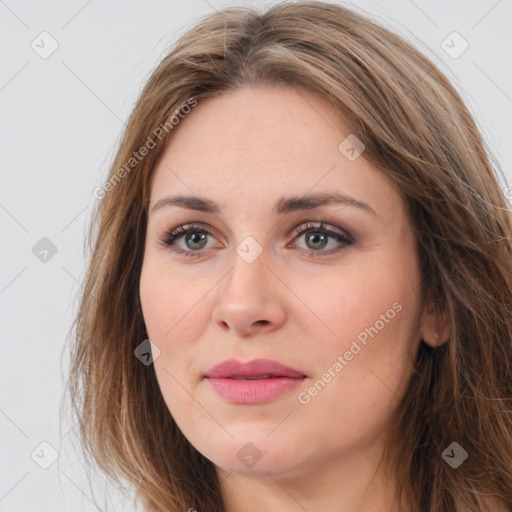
[60, 121]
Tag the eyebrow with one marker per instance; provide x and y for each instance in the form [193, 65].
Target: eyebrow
[283, 206]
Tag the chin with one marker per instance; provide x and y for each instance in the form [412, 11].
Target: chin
[255, 458]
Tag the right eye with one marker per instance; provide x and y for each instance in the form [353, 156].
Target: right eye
[195, 239]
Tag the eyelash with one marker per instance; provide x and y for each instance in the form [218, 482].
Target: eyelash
[169, 239]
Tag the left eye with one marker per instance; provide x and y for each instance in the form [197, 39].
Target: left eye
[317, 237]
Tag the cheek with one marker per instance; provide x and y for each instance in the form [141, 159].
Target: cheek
[356, 301]
[366, 364]
[361, 372]
[173, 321]
[376, 321]
[169, 302]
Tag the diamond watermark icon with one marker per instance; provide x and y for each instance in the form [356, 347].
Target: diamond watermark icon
[249, 455]
[44, 250]
[45, 45]
[454, 455]
[147, 352]
[249, 249]
[454, 45]
[351, 147]
[44, 455]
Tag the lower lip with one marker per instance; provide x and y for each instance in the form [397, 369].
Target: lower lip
[254, 391]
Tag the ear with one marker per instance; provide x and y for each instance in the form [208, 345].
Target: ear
[435, 325]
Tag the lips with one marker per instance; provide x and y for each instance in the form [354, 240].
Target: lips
[252, 370]
[255, 382]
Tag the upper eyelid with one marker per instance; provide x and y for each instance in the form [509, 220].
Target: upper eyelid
[302, 226]
[299, 230]
[321, 226]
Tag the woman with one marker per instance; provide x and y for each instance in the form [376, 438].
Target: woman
[303, 219]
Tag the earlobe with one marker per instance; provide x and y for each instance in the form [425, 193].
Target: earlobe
[435, 327]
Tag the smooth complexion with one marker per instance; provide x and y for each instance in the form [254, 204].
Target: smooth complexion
[301, 302]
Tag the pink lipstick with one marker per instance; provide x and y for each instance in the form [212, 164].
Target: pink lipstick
[254, 382]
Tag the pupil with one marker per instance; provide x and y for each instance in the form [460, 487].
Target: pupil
[316, 237]
[200, 235]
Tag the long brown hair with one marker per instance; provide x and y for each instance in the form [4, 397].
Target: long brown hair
[417, 130]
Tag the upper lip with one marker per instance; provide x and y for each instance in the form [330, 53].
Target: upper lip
[254, 368]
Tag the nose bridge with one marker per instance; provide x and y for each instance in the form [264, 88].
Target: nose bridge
[248, 274]
[248, 299]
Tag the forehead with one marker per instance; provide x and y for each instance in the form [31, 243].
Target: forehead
[274, 120]
[265, 142]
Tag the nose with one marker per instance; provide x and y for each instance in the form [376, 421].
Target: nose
[250, 299]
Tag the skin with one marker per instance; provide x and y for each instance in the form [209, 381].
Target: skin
[245, 151]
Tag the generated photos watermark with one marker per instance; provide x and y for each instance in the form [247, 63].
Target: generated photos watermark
[357, 345]
[145, 149]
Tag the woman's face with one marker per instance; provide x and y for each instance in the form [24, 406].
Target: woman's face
[256, 277]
